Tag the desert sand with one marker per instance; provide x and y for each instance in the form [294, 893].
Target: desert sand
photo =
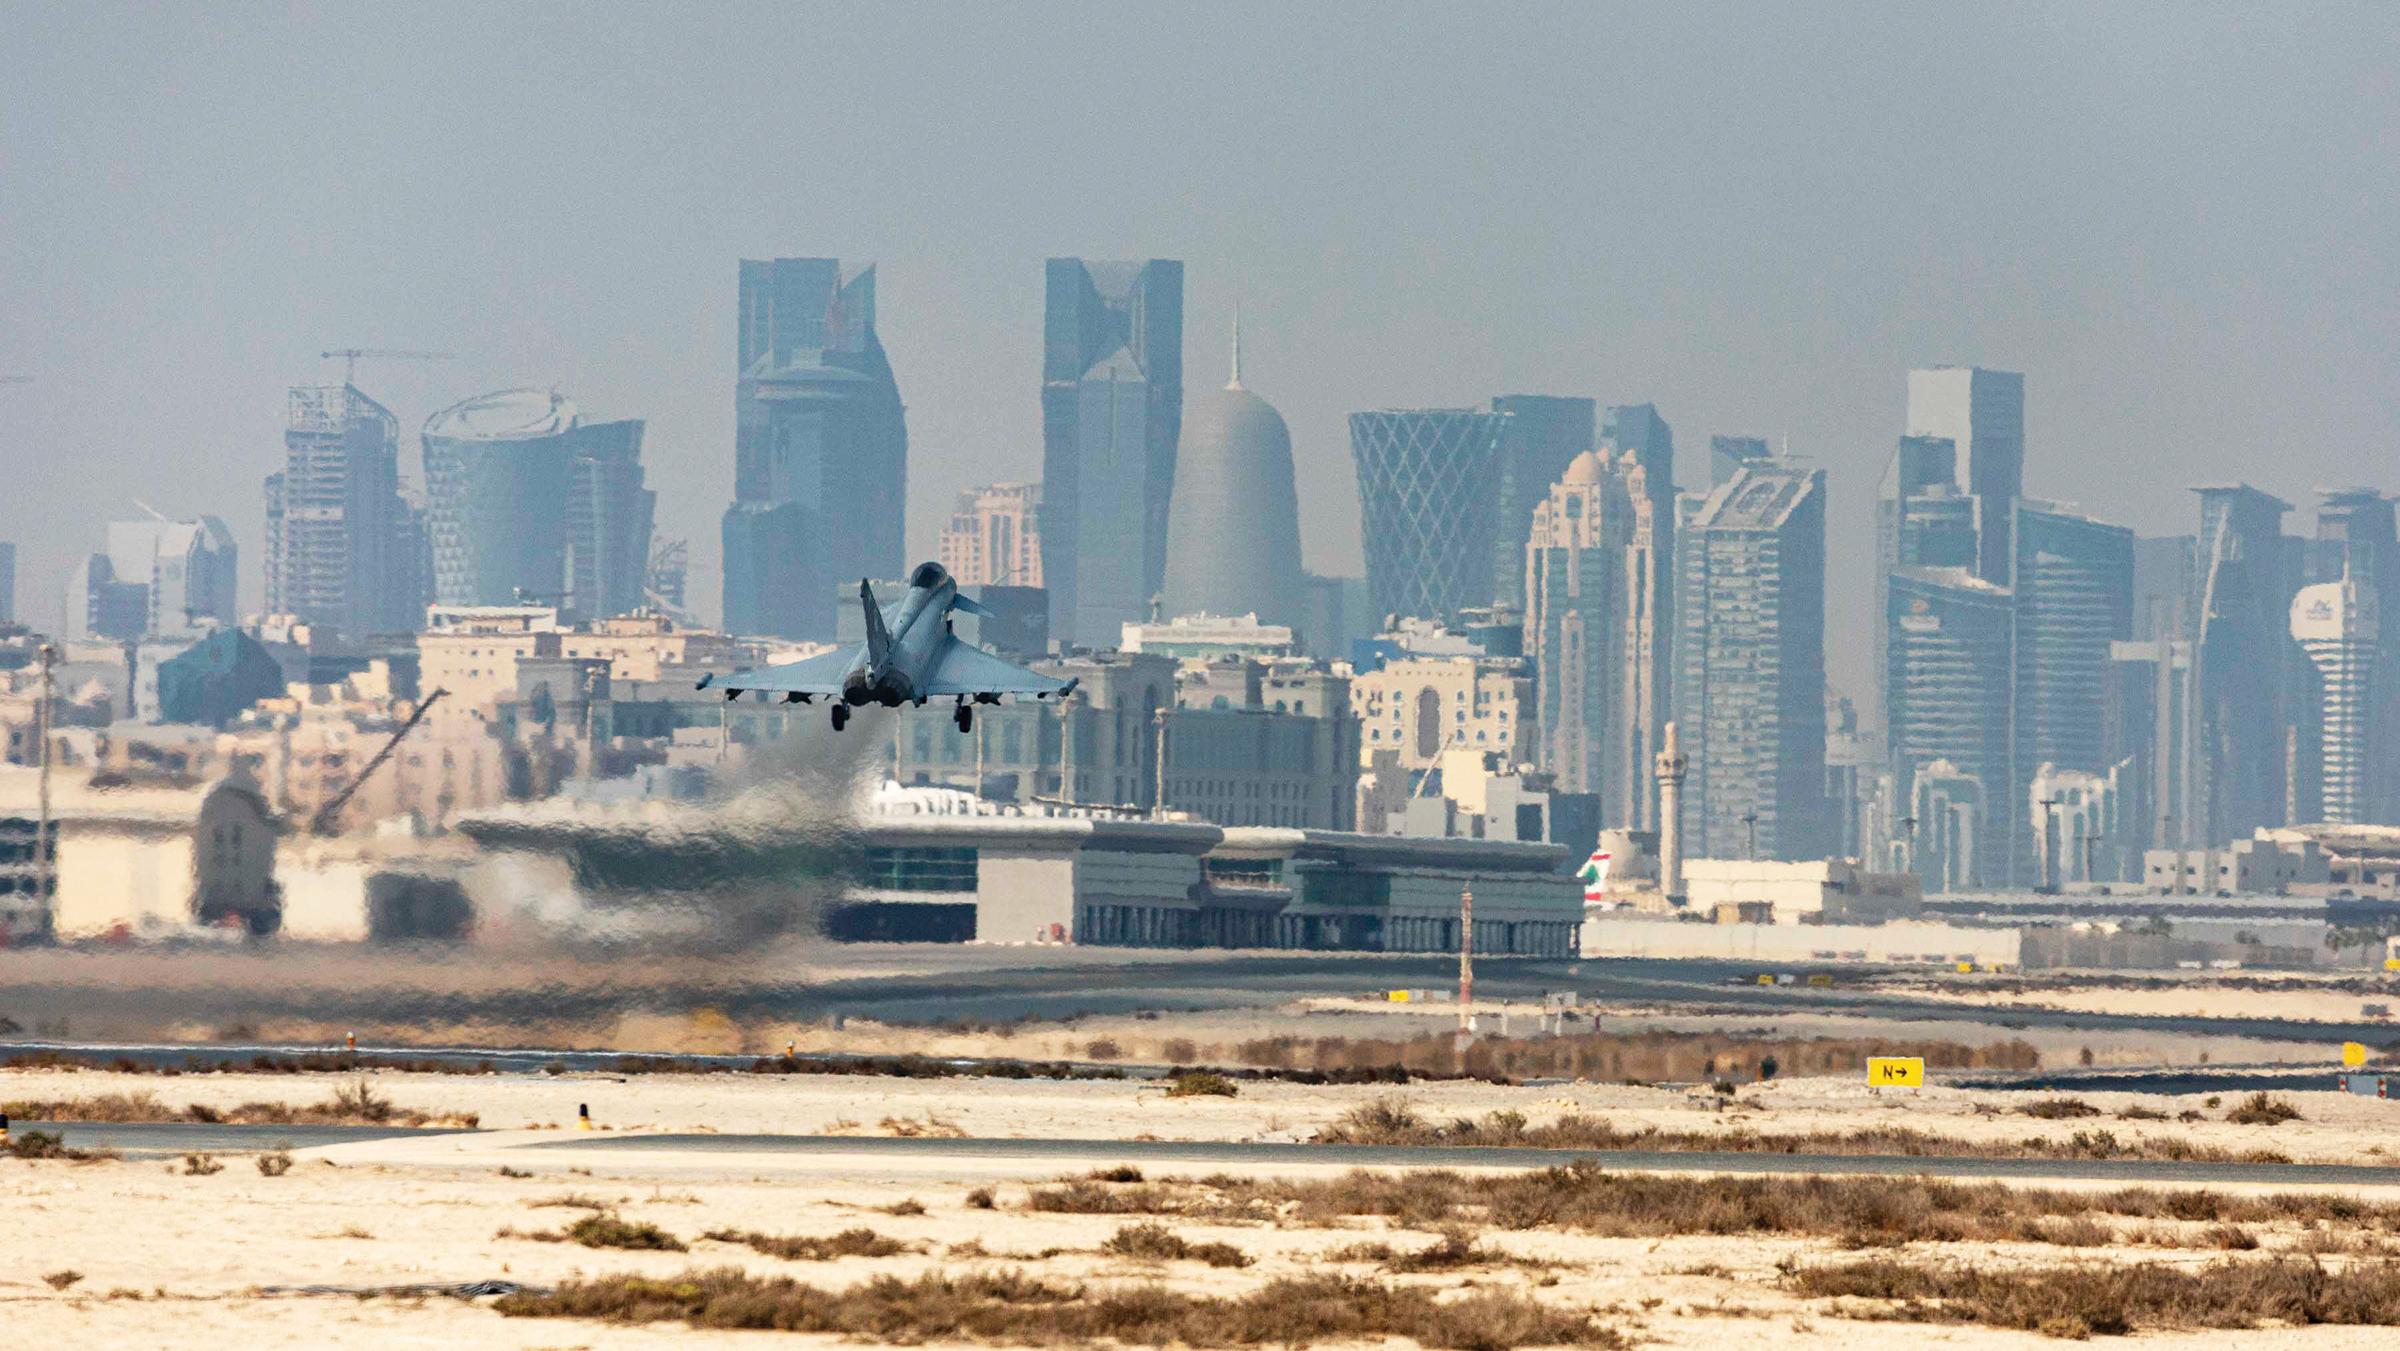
[167, 1258]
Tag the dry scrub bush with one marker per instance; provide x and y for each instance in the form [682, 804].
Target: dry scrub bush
[352, 1104]
[814, 1248]
[1008, 1309]
[2058, 1109]
[1154, 1242]
[2112, 1299]
[1392, 1121]
[1855, 1211]
[606, 1231]
[32, 1144]
[927, 1127]
[2261, 1109]
[1678, 1057]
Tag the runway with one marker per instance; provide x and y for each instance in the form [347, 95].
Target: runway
[1266, 1157]
[1044, 1157]
[904, 984]
[167, 1139]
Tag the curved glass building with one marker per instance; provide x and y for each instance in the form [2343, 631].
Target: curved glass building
[528, 504]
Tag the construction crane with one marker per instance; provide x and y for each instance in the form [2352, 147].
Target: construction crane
[322, 822]
[663, 579]
[350, 356]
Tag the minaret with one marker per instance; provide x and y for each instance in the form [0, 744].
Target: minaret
[1236, 382]
[1670, 767]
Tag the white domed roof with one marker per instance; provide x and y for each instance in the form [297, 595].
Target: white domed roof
[1585, 469]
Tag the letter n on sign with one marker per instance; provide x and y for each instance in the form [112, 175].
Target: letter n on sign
[1893, 1071]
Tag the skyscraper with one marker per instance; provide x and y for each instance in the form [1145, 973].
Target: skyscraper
[1638, 434]
[342, 544]
[1112, 412]
[2243, 666]
[1750, 655]
[158, 579]
[1921, 521]
[528, 502]
[1591, 630]
[820, 490]
[1233, 532]
[1426, 506]
[994, 536]
[1542, 436]
[2074, 601]
[1947, 690]
[1728, 454]
[2356, 539]
[2336, 623]
[1982, 414]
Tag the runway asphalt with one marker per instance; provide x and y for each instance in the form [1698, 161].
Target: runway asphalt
[1265, 1157]
[168, 1139]
[152, 1140]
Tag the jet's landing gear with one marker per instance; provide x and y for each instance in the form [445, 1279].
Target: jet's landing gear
[965, 716]
[841, 716]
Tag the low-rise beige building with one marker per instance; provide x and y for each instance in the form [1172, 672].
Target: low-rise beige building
[1420, 707]
[139, 857]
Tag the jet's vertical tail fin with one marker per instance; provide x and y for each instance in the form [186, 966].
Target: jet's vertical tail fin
[879, 638]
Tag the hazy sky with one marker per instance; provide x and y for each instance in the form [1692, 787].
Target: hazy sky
[2177, 220]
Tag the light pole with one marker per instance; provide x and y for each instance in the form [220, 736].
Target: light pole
[1466, 960]
[1750, 824]
[1158, 796]
[1908, 827]
[45, 864]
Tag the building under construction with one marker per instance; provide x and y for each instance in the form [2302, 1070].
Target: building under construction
[344, 548]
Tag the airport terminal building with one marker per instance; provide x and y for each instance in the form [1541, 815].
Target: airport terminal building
[936, 865]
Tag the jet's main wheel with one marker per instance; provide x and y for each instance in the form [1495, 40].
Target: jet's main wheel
[965, 717]
[841, 716]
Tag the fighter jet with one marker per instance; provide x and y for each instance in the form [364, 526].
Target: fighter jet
[910, 656]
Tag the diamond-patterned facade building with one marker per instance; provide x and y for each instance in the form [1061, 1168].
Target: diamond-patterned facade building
[1428, 510]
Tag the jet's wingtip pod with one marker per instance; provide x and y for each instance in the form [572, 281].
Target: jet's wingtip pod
[731, 695]
[705, 681]
[1069, 687]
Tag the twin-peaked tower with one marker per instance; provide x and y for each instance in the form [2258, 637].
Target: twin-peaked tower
[1112, 412]
[820, 449]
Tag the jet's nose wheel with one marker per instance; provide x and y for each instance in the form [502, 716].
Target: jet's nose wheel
[841, 716]
[965, 716]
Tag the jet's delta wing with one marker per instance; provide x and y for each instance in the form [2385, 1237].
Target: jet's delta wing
[820, 674]
[965, 669]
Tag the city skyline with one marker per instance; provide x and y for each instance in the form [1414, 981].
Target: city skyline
[2221, 304]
